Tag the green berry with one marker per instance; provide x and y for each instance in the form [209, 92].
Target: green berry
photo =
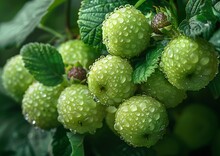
[159, 87]
[110, 80]
[196, 125]
[141, 121]
[126, 32]
[78, 111]
[189, 64]
[39, 105]
[75, 51]
[16, 78]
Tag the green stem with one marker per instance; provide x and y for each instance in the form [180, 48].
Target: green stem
[139, 3]
[51, 31]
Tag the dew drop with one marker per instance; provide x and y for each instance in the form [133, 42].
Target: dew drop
[140, 35]
[152, 109]
[204, 61]
[133, 108]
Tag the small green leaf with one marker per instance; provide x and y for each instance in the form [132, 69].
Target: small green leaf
[145, 69]
[214, 86]
[215, 40]
[200, 19]
[44, 62]
[76, 141]
[16, 30]
[91, 16]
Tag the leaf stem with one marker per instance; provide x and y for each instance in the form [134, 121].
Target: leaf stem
[50, 30]
[139, 3]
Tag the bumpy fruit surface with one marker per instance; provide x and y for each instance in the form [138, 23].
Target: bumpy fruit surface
[189, 64]
[16, 78]
[159, 87]
[110, 80]
[126, 32]
[141, 120]
[39, 105]
[75, 51]
[196, 125]
[78, 111]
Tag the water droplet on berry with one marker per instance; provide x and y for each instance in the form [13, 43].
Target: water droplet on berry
[133, 108]
[120, 20]
[123, 79]
[152, 109]
[157, 116]
[33, 122]
[140, 35]
[151, 127]
[124, 109]
[115, 15]
[194, 58]
[204, 61]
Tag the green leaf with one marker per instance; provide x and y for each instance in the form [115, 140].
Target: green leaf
[193, 7]
[44, 62]
[215, 40]
[60, 144]
[91, 16]
[76, 141]
[200, 19]
[54, 5]
[145, 69]
[16, 30]
[194, 27]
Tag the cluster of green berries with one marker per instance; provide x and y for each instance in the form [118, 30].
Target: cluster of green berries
[137, 113]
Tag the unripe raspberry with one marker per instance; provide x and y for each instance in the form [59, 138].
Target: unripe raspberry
[159, 87]
[110, 80]
[189, 64]
[126, 32]
[16, 78]
[78, 111]
[39, 105]
[141, 121]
